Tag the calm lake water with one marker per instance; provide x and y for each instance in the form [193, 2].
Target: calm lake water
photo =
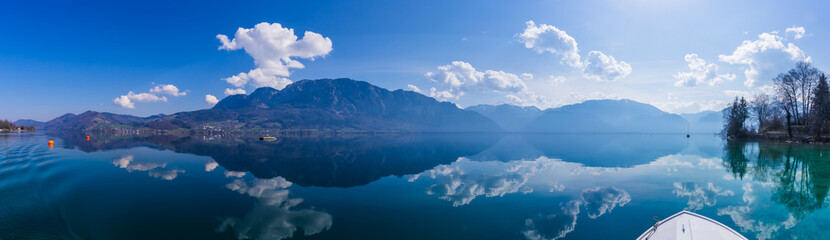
[417, 186]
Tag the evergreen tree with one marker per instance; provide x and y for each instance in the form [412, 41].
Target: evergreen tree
[821, 106]
[734, 118]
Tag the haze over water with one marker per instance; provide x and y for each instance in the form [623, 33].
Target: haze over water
[409, 186]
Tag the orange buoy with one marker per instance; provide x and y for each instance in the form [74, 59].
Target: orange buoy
[87, 138]
[51, 143]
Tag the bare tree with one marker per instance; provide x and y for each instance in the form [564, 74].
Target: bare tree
[761, 108]
[805, 77]
[788, 92]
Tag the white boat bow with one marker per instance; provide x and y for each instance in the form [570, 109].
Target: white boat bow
[687, 225]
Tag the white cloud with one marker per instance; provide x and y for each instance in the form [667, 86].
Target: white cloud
[593, 96]
[210, 99]
[126, 101]
[547, 38]
[274, 50]
[461, 77]
[229, 91]
[765, 57]
[601, 67]
[168, 89]
[798, 32]
[556, 80]
[700, 73]
[596, 65]
[677, 106]
[736, 93]
[414, 88]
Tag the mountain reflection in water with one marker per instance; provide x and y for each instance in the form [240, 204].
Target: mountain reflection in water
[407, 186]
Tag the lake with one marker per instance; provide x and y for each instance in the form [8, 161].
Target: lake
[408, 186]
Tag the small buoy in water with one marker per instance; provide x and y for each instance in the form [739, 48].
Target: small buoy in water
[51, 143]
[87, 138]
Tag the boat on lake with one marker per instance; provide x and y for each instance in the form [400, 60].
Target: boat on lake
[689, 225]
[267, 138]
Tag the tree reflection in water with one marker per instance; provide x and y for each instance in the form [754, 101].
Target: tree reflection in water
[799, 174]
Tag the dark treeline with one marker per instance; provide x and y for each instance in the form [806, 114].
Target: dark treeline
[800, 107]
[8, 126]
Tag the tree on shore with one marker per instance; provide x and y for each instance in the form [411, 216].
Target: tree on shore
[734, 117]
[821, 106]
[6, 125]
[761, 109]
[805, 76]
[787, 91]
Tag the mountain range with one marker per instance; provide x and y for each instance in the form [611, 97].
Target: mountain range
[607, 116]
[349, 105]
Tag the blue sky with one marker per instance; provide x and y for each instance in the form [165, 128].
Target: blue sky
[58, 58]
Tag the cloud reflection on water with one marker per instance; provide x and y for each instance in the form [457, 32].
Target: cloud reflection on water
[700, 197]
[274, 216]
[460, 187]
[596, 201]
[153, 169]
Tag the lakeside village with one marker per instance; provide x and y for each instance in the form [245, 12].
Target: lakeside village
[6, 126]
[797, 111]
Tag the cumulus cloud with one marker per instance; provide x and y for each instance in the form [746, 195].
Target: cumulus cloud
[736, 93]
[596, 65]
[700, 73]
[275, 51]
[765, 57]
[798, 32]
[168, 89]
[414, 88]
[556, 80]
[460, 77]
[127, 101]
[592, 96]
[546, 38]
[210, 99]
[601, 67]
[676, 106]
[229, 91]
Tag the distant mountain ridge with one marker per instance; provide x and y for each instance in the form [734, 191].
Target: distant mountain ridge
[607, 116]
[28, 122]
[511, 118]
[324, 104]
[705, 122]
[349, 105]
